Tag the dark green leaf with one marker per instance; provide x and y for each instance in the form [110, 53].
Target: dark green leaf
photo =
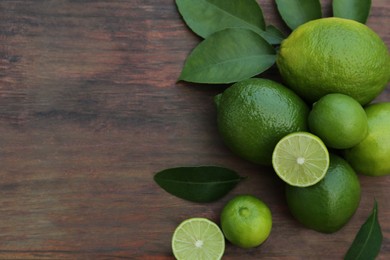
[368, 240]
[198, 184]
[206, 17]
[275, 31]
[357, 10]
[297, 12]
[228, 56]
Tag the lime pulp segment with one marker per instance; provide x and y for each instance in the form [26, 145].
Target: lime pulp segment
[198, 238]
[300, 159]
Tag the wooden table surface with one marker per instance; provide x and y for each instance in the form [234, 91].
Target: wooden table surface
[90, 110]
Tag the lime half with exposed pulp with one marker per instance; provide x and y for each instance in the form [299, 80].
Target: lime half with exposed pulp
[198, 239]
[300, 159]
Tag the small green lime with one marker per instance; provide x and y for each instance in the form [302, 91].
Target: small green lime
[198, 239]
[339, 120]
[253, 115]
[328, 205]
[372, 155]
[246, 221]
[300, 159]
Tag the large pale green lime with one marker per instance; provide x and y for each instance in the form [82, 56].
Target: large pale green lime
[335, 55]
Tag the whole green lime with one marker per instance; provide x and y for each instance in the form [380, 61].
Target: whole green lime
[339, 120]
[334, 55]
[372, 155]
[246, 221]
[328, 205]
[254, 114]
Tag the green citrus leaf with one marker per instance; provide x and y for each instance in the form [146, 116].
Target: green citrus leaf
[297, 12]
[198, 184]
[206, 17]
[357, 10]
[275, 31]
[228, 56]
[368, 240]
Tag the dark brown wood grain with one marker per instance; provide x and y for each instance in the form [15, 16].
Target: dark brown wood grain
[90, 110]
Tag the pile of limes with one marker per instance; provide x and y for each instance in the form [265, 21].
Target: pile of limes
[333, 68]
[246, 221]
[317, 129]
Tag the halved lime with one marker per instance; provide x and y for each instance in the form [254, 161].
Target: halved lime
[198, 238]
[300, 159]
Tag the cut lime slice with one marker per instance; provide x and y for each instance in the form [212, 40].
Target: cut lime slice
[198, 238]
[300, 159]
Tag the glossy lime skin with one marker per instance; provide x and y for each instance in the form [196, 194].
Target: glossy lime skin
[328, 205]
[339, 120]
[246, 221]
[254, 114]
